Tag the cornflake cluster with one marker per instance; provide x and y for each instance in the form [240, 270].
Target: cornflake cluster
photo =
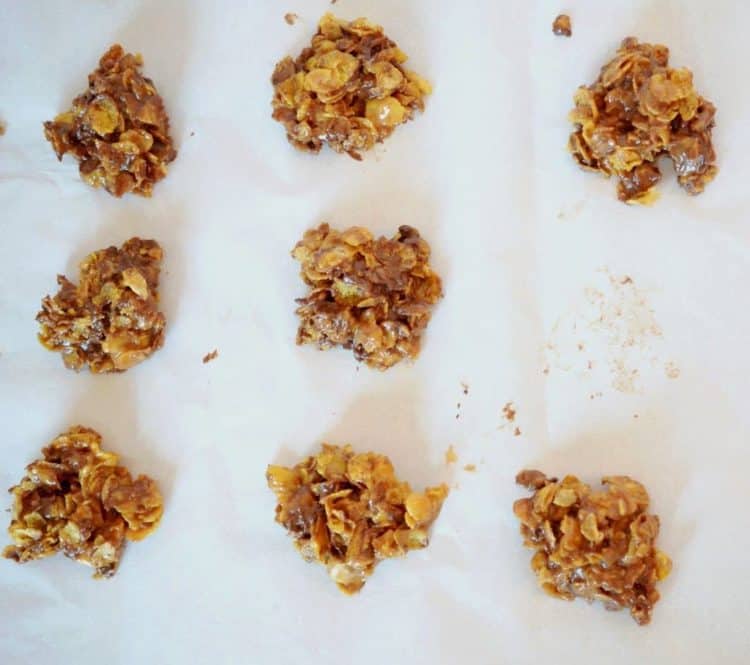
[349, 89]
[594, 545]
[110, 321]
[349, 511]
[638, 109]
[118, 129]
[372, 296]
[77, 500]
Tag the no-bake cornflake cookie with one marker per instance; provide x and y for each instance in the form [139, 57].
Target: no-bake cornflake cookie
[348, 512]
[118, 129]
[348, 89]
[79, 501]
[637, 110]
[374, 296]
[110, 321]
[597, 545]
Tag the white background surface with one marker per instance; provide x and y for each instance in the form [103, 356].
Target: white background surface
[483, 174]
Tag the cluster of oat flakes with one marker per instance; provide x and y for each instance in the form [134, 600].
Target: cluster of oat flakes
[374, 296]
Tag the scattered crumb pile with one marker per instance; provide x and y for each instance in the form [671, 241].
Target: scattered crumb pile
[509, 418]
[612, 336]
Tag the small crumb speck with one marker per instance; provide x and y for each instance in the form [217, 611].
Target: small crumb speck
[210, 356]
[290, 18]
[517, 431]
[471, 468]
[561, 26]
[450, 455]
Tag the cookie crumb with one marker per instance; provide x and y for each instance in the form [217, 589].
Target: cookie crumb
[450, 455]
[465, 388]
[290, 18]
[517, 431]
[561, 26]
[471, 468]
[210, 356]
[509, 412]
[671, 370]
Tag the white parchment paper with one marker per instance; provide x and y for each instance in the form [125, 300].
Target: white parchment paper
[518, 233]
